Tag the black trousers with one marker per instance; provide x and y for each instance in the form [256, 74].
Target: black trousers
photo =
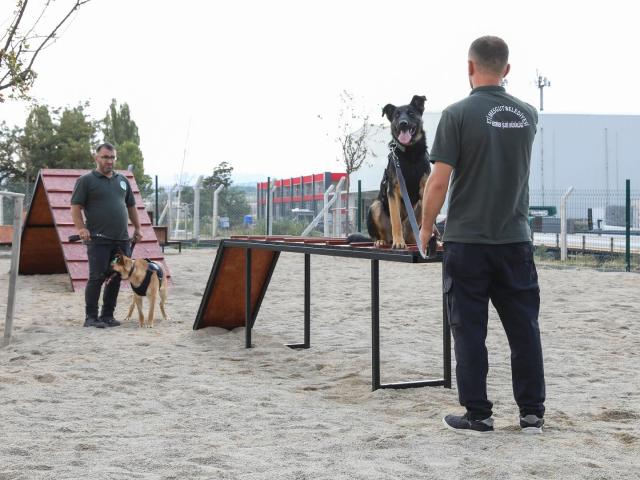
[100, 255]
[473, 274]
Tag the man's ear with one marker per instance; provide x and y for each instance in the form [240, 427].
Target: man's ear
[418, 102]
[388, 110]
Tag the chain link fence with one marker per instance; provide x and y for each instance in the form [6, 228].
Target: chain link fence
[6, 210]
[595, 228]
[595, 221]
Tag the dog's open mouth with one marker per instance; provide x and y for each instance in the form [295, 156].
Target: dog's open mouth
[406, 135]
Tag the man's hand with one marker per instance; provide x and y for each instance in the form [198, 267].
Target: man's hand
[84, 234]
[425, 236]
[137, 236]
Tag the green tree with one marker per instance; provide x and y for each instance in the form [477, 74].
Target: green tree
[74, 140]
[63, 142]
[221, 176]
[130, 154]
[11, 168]
[118, 126]
[121, 131]
[38, 141]
[21, 45]
[233, 204]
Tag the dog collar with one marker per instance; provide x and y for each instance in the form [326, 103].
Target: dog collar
[133, 267]
[393, 145]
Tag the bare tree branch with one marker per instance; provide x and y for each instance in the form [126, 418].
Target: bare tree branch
[76, 6]
[17, 53]
[14, 29]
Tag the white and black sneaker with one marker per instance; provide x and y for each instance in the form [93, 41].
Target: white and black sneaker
[462, 424]
[531, 424]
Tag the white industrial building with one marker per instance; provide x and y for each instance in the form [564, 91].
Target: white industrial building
[594, 152]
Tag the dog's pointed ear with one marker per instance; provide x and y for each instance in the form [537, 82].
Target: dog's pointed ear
[418, 102]
[388, 111]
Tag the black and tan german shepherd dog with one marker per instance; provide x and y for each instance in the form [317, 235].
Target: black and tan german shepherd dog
[387, 220]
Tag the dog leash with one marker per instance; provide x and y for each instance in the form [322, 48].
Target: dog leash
[407, 203]
[76, 238]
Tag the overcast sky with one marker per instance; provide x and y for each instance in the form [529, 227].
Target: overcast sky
[259, 81]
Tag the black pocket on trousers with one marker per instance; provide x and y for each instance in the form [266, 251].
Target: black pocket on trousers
[453, 313]
[524, 270]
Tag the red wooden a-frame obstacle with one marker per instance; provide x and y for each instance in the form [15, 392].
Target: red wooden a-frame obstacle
[45, 246]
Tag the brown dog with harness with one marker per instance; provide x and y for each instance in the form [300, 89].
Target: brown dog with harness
[147, 279]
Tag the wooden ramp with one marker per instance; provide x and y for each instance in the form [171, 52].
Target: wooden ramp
[223, 303]
[45, 248]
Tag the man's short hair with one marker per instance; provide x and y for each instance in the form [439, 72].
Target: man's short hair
[106, 145]
[490, 54]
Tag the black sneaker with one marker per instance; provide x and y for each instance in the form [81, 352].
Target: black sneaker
[93, 322]
[462, 424]
[109, 321]
[531, 424]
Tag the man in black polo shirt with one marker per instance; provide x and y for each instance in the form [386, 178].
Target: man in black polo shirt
[108, 203]
[485, 140]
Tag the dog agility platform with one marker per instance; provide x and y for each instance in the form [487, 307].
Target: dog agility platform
[45, 247]
[247, 263]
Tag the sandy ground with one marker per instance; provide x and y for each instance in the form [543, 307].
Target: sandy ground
[171, 402]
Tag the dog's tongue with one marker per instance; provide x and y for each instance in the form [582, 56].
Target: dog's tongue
[405, 137]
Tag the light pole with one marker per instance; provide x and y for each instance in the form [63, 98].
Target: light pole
[541, 82]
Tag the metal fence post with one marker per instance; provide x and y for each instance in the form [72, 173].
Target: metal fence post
[337, 216]
[269, 203]
[325, 228]
[196, 209]
[359, 206]
[272, 187]
[563, 224]
[157, 206]
[628, 225]
[15, 266]
[215, 210]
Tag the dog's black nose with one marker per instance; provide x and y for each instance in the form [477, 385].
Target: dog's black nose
[403, 124]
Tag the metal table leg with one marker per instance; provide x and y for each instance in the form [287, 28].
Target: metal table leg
[307, 305]
[247, 297]
[375, 325]
[375, 341]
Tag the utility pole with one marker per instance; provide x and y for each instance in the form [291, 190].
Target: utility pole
[541, 82]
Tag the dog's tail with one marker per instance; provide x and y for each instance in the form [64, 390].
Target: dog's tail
[359, 238]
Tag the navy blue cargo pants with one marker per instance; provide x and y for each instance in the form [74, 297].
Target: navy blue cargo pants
[473, 274]
[100, 254]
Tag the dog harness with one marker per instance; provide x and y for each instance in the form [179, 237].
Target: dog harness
[141, 290]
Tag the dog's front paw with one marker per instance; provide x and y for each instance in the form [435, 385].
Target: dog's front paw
[166, 318]
[128, 319]
[379, 242]
[399, 246]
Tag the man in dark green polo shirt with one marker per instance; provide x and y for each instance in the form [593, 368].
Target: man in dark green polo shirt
[108, 203]
[485, 140]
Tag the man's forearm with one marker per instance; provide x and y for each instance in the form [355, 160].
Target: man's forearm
[133, 216]
[76, 215]
[433, 199]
